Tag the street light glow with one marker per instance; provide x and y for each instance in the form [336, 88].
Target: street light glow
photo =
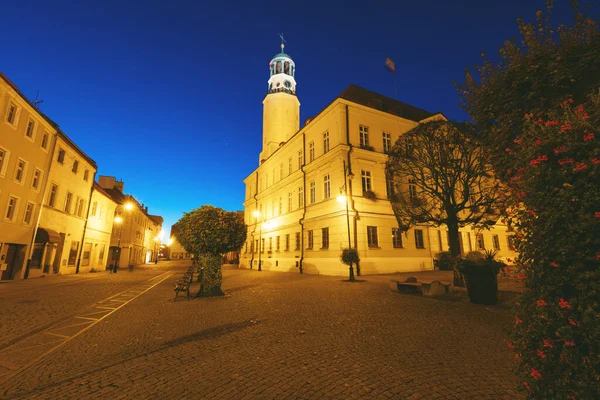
[341, 199]
[128, 206]
[118, 220]
[256, 213]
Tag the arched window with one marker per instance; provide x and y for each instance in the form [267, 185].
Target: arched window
[292, 70]
[278, 68]
[286, 67]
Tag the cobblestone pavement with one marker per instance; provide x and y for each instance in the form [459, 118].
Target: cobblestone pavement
[275, 335]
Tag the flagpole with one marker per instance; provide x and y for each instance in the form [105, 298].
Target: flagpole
[396, 84]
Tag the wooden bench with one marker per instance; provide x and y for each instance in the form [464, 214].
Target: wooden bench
[411, 286]
[183, 285]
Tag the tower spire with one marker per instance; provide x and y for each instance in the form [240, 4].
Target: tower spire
[282, 41]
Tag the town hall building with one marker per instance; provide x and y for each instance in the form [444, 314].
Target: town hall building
[322, 187]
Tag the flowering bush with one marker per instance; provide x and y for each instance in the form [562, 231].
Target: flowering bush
[553, 199]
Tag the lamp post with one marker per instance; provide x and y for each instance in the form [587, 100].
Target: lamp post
[256, 215]
[343, 198]
[118, 220]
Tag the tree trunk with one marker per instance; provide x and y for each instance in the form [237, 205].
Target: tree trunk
[211, 276]
[455, 250]
[351, 270]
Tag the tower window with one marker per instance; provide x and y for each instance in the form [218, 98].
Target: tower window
[286, 67]
[278, 67]
[311, 152]
[325, 142]
[364, 136]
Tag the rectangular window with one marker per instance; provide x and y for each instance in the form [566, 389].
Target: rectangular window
[469, 240]
[300, 159]
[262, 245]
[389, 188]
[310, 240]
[372, 239]
[28, 213]
[311, 152]
[94, 208]
[68, 199]
[20, 170]
[325, 142]
[290, 197]
[387, 142]
[412, 189]
[37, 176]
[287, 242]
[86, 175]
[30, 131]
[85, 258]
[325, 238]
[280, 206]
[277, 243]
[101, 253]
[496, 242]
[510, 240]
[396, 238]
[326, 187]
[12, 114]
[290, 166]
[300, 197]
[480, 241]
[73, 252]
[75, 166]
[270, 245]
[256, 246]
[366, 180]
[61, 156]
[52, 197]
[11, 209]
[3, 160]
[80, 203]
[313, 192]
[419, 243]
[281, 171]
[45, 141]
[364, 136]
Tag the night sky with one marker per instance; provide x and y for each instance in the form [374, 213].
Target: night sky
[167, 95]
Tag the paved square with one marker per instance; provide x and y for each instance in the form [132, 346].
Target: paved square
[276, 335]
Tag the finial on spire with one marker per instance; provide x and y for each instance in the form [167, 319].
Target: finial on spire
[282, 41]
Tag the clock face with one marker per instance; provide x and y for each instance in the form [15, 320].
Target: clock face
[287, 84]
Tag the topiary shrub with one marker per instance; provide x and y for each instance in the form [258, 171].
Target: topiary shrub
[350, 257]
[445, 261]
[554, 202]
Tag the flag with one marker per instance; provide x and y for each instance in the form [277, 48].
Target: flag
[390, 65]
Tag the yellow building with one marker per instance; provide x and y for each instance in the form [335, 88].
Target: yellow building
[176, 250]
[321, 188]
[134, 231]
[65, 209]
[26, 141]
[98, 230]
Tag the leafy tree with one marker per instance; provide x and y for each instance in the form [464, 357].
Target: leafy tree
[350, 257]
[548, 66]
[208, 233]
[449, 179]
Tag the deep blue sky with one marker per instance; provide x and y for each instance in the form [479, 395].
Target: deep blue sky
[167, 95]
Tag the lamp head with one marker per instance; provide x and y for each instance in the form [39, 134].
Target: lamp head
[118, 220]
[256, 213]
[128, 206]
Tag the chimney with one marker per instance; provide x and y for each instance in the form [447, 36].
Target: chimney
[146, 210]
[119, 186]
[307, 120]
[106, 182]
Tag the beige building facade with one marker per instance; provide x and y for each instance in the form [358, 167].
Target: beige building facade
[60, 236]
[26, 143]
[321, 188]
[134, 232]
[98, 230]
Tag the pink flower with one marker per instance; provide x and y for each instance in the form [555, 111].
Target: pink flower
[541, 354]
[547, 343]
[579, 109]
[535, 373]
[569, 343]
[566, 161]
[539, 142]
[559, 150]
[521, 276]
[589, 136]
[531, 212]
[510, 346]
[518, 320]
[518, 140]
[527, 386]
[573, 323]
[554, 264]
[564, 304]
[566, 127]
[507, 150]
[541, 303]
[585, 116]
[596, 161]
[597, 214]
[580, 167]
[551, 123]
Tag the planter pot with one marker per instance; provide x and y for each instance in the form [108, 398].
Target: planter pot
[482, 285]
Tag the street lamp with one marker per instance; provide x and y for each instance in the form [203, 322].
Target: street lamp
[256, 215]
[118, 220]
[343, 198]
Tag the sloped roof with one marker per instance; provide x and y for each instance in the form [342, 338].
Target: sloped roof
[370, 99]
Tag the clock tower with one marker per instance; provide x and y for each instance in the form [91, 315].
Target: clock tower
[281, 108]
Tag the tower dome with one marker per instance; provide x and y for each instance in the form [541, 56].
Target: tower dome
[282, 72]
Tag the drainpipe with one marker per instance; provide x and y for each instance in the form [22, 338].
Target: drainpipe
[254, 231]
[87, 216]
[39, 216]
[301, 221]
[354, 210]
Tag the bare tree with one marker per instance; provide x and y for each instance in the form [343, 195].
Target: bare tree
[441, 176]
